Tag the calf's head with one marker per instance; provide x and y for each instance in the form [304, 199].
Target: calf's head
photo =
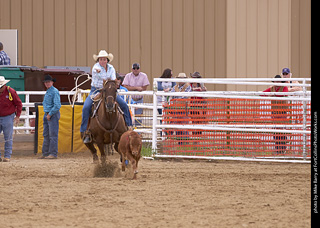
[135, 145]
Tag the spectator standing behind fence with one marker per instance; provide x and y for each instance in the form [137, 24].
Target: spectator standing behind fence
[165, 86]
[4, 58]
[287, 74]
[51, 108]
[136, 81]
[197, 86]
[181, 86]
[181, 105]
[278, 112]
[10, 110]
[197, 103]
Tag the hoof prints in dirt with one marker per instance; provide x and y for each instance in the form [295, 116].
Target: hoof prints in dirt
[108, 169]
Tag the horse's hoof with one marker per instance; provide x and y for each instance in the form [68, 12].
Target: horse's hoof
[95, 159]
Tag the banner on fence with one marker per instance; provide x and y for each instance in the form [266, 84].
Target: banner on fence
[69, 139]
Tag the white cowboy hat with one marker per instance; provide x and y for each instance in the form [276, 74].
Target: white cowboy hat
[103, 53]
[3, 81]
[181, 75]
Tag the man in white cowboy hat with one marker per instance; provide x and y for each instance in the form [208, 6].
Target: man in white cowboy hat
[102, 70]
[10, 110]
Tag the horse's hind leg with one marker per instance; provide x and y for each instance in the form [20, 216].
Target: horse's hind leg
[93, 151]
[116, 147]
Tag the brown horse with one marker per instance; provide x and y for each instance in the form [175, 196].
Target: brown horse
[107, 124]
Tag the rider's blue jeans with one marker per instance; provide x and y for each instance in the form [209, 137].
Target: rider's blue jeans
[86, 110]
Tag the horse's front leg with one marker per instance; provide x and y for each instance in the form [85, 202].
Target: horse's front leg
[92, 149]
[103, 157]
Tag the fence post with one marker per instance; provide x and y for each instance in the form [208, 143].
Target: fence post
[304, 153]
[27, 121]
[154, 115]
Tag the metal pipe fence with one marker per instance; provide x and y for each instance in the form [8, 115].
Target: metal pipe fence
[233, 124]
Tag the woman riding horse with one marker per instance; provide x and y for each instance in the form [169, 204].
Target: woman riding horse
[102, 70]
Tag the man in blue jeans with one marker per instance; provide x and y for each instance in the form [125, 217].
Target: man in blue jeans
[51, 107]
[10, 110]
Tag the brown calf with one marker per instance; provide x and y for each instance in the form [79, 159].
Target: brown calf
[130, 147]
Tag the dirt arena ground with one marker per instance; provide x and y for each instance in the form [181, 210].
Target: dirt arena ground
[66, 193]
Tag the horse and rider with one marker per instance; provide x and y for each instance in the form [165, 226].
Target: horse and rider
[102, 123]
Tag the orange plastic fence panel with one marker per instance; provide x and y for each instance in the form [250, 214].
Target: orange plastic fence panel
[233, 112]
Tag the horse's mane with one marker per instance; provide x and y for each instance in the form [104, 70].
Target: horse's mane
[106, 81]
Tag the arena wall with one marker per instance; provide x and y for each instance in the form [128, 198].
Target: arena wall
[218, 38]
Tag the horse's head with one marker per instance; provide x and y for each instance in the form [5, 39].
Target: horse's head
[109, 94]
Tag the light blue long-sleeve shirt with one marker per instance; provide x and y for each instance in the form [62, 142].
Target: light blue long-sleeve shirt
[51, 102]
[98, 77]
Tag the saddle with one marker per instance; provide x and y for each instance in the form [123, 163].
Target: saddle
[96, 104]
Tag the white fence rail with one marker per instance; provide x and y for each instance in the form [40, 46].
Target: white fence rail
[303, 96]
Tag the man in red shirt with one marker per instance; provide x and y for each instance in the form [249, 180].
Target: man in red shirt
[279, 115]
[10, 111]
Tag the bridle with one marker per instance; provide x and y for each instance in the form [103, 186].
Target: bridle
[109, 100]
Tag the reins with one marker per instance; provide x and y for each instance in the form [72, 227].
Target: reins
[110, 131]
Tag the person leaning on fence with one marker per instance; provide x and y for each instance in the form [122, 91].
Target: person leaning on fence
[197, 86]
[136, 81]
[278, 112]
[51, 107]
[181, 105]
[10, 111]
[102, 70]
[287, 74]
[181, 86]
[166, 87]
[197, 104]
[4, 58]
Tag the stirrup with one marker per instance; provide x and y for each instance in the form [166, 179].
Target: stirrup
[87, 137]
